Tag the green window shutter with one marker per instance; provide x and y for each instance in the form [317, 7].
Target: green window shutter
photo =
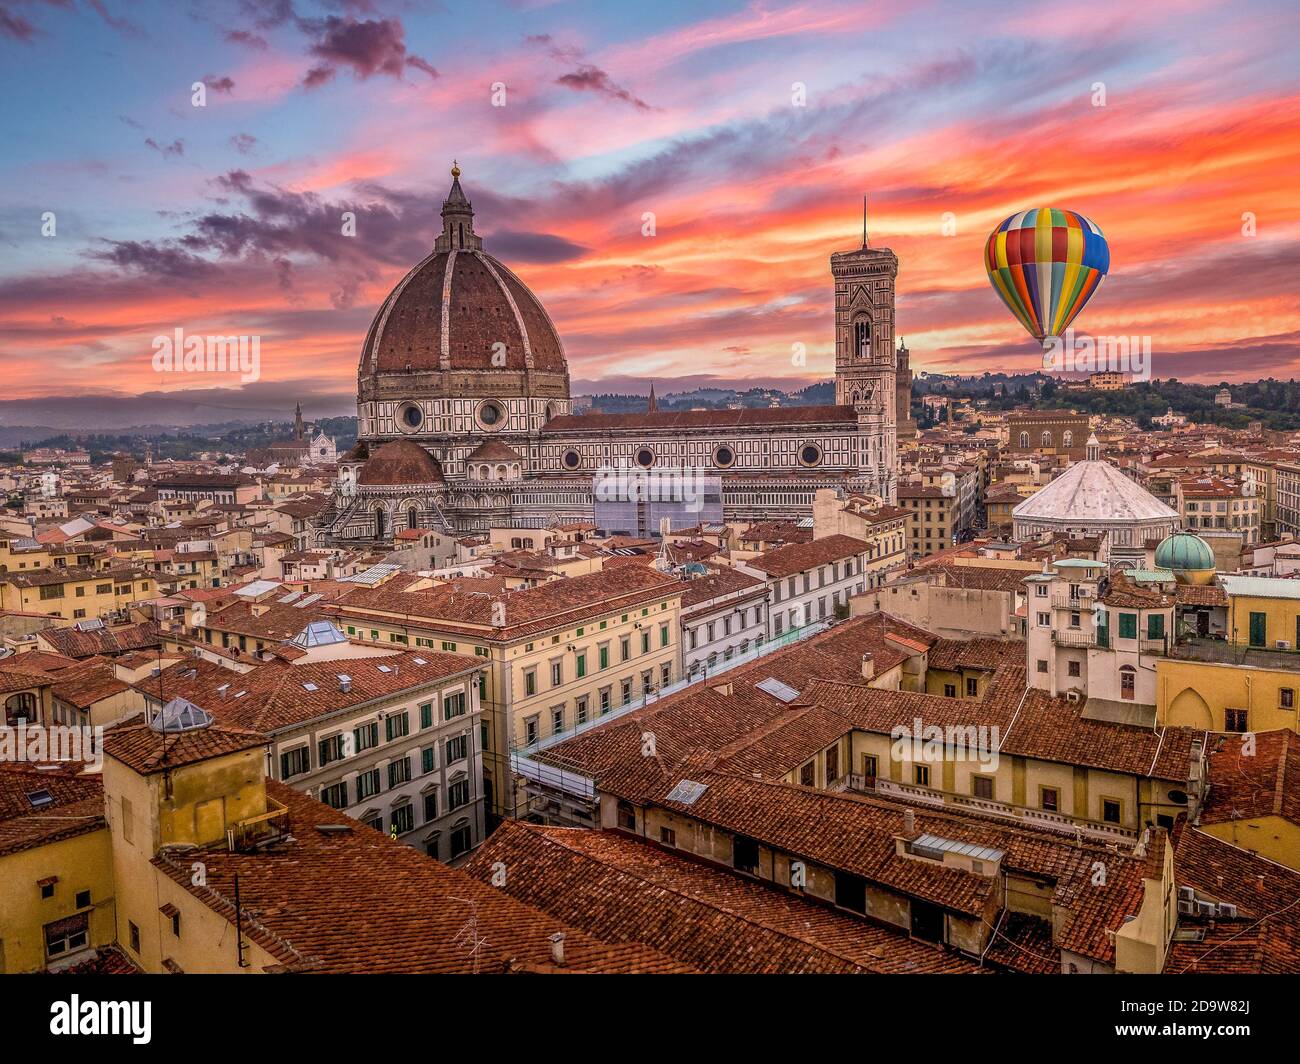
[1128, 625]
[1156, 626]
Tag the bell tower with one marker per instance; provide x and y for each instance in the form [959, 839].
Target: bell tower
[866, 368]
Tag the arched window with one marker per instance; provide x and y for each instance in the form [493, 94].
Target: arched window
[412, 518]
[862, 337]
[1067, 439]
[20, 707]
[379, 524]
[1024, 439]
[1047, 438]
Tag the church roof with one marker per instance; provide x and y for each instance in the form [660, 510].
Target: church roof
[1093, 492]
[494, 451]
[569, 424]
[400, 462]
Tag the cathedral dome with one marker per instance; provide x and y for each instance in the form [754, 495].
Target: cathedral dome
[458, 309]
[1188, 557]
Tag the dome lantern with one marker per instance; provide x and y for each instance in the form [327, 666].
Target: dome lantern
[457, 219]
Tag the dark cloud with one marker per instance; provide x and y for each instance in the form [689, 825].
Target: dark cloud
[223, 85]
[14, 25]
[368, 48]
[392, 228]
[268, 14]
[118, 23]
[519, 246]
[176, 147]
[154, 259]
[247, 38]
[243, 142]
[588, 78]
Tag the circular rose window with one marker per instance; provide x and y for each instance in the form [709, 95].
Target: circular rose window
[645, 457]
[410, 417]
[491, 415]
[810, 454]
[724, 456]
[572, 459]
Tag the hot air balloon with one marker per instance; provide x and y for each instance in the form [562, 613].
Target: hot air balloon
[1046, 263]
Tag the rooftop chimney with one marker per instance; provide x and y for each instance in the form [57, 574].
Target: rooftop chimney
[909, 821]
[868, 666]
[557, 949]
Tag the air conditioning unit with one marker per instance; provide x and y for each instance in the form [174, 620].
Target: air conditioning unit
[1186, 907]
[1186, 894]
[1283, 644]
[1206, 908]
[1073, 696]
[1228, 912]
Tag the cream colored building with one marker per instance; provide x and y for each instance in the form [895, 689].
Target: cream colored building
[556, 657]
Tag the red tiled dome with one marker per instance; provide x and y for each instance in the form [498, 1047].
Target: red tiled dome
[400, 462]
[452, 309]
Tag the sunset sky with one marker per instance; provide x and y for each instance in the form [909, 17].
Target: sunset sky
[227, 218]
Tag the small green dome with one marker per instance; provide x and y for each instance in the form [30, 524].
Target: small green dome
[1184, 551]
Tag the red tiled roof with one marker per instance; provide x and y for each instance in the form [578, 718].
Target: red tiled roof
[78, 644]
[626, 890]
[797, 557]
[400, 462]
[578, 424]
[1256, 780]
[78, 806]
[527, 611]
[1264, 939]
[361, 902]
[275, 696]
[147, 751]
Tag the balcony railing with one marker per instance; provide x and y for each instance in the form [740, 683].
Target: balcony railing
[1094, 829]
[1073, 602]
[261, 830]
[1073, 637]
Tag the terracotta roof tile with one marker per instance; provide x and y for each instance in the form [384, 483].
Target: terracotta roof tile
[624, 889]
[359, 901]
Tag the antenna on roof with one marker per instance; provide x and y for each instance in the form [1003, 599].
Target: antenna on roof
[468, 936]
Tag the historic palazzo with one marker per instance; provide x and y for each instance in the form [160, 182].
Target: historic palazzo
[464, 415]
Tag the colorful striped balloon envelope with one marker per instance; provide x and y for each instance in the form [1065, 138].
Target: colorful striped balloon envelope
[1045, 264]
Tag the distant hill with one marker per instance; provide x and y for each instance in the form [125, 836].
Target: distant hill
[1275, 403]
[716, 399]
